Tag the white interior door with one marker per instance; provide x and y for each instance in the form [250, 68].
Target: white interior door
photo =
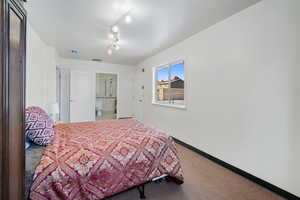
[82, 96]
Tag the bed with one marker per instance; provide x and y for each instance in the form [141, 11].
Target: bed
[95, 160]
[33, 157]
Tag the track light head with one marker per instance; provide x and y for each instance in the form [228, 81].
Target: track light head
[116, 46]
[128, 19]
[115, 29]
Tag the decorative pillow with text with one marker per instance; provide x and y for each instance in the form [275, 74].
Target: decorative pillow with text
[38, 126]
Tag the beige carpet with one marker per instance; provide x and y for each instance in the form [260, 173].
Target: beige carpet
[204, 180]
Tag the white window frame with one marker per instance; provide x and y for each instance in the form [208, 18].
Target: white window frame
[154, 91]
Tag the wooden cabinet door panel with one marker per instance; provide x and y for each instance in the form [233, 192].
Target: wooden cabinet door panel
[13, 24]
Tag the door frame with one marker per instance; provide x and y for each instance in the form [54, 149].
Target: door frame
[118, 88]
[8, 189]
[63, 98]
[139, 95]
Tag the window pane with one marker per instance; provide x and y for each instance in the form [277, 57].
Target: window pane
[162, 85]
[177, 84]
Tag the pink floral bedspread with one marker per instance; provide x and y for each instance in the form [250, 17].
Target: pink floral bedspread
[94, 160]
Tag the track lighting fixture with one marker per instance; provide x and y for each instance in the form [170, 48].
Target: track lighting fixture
[114, 33]
[128, 19]
[116, 46]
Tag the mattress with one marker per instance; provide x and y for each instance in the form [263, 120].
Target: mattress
[95, 160]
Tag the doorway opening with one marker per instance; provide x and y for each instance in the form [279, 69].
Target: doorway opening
[106, 96]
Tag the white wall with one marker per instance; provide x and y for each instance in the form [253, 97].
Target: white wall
[242, 92]
[125, 80]
[40, 71]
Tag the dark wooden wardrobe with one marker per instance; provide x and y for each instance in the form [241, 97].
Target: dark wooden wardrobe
[12, 99]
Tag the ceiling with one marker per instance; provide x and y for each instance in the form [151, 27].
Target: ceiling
[83, 25]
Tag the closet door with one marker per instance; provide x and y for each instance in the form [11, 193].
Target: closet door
[13, 23]
[82, 96]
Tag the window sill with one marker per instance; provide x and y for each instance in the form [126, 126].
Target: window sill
[181, 107]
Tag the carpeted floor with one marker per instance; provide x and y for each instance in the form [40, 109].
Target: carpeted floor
[204, 180]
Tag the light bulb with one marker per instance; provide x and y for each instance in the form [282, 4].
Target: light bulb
[128, 19]
[109, 51]
[115, 29]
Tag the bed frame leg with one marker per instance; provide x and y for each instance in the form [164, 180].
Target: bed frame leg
[171, 179]
[141, 190]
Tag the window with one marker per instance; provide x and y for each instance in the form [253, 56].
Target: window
[169, 85]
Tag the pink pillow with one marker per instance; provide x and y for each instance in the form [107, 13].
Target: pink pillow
[38, 126]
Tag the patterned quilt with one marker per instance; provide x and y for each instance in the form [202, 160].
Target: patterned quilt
[94, 160]
[33, 156]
